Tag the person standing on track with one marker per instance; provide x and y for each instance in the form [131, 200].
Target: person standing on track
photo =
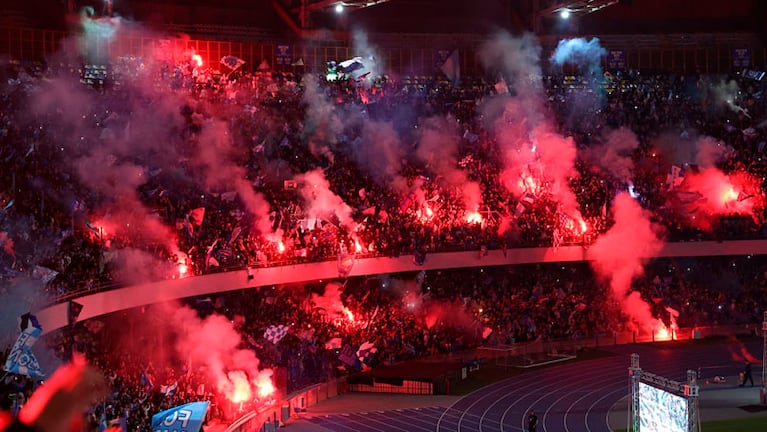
[532, 422]
[747, 375]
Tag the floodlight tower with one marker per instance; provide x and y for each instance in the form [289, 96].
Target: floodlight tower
[691, 392]
[635, 373]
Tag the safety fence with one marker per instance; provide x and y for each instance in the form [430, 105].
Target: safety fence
[402, 387]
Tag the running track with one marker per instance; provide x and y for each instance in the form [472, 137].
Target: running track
[575, 396]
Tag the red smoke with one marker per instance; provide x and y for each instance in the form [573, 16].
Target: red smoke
[320, 201]
[214, 343]
[438, 147]
[331, 302]
[618, 256]
[709, 193]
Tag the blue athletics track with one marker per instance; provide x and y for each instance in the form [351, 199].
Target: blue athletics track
[575, 396]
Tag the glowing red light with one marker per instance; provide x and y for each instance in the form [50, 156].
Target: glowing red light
[584, 227]
[728, 194]
[265, 389]
[528, 183]
[349, 314]
[281, 247]
[236, 387]
[662, 334]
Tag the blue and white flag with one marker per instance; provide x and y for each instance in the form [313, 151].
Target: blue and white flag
[28, 320]
[675, 177]
[275, 333]
[183, 418]
[21, 360]
[4, 210]
[351, 65]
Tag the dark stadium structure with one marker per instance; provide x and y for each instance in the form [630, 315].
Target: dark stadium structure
[485, 207]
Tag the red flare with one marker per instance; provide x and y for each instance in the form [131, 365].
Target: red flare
[197, 59]
[474, 218]
[349, 314]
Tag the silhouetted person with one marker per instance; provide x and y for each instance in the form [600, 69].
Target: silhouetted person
[747, 375]
[532, 422]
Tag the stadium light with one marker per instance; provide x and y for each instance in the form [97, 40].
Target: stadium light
[339, 8]
[564, 14]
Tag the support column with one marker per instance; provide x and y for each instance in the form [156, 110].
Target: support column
[691, 391]
[763, 390]
[635, 372]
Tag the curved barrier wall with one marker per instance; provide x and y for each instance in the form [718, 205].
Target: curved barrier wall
[101, 303]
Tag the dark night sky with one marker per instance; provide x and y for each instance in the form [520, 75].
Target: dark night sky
[428, 16]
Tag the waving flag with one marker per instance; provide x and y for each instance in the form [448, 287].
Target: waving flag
[452, 67]
[168, 390]
[275, 333]
[93, 228]
[28, 320]
[347, 355]
[366, 352]
[146, 380]
[334, 343]
[232, 62]
[183, 418]
[21, 360]
[196, 216]
[44, 274]
[5, 209]
[73, 312]
[345, 264]
[351, 65]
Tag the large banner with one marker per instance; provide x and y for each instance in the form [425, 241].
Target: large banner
[616, 59]
[21, 360]
[741, 58]
[183, 418]
[283, 55]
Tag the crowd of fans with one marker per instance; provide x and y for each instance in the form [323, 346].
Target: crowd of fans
[52, 226]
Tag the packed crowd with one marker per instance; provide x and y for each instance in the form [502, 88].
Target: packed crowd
[404, 316]
[55, 225]
[69, 230]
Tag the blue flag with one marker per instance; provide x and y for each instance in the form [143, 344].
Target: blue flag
[183, 418]
[28, 320]
[21, 360]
